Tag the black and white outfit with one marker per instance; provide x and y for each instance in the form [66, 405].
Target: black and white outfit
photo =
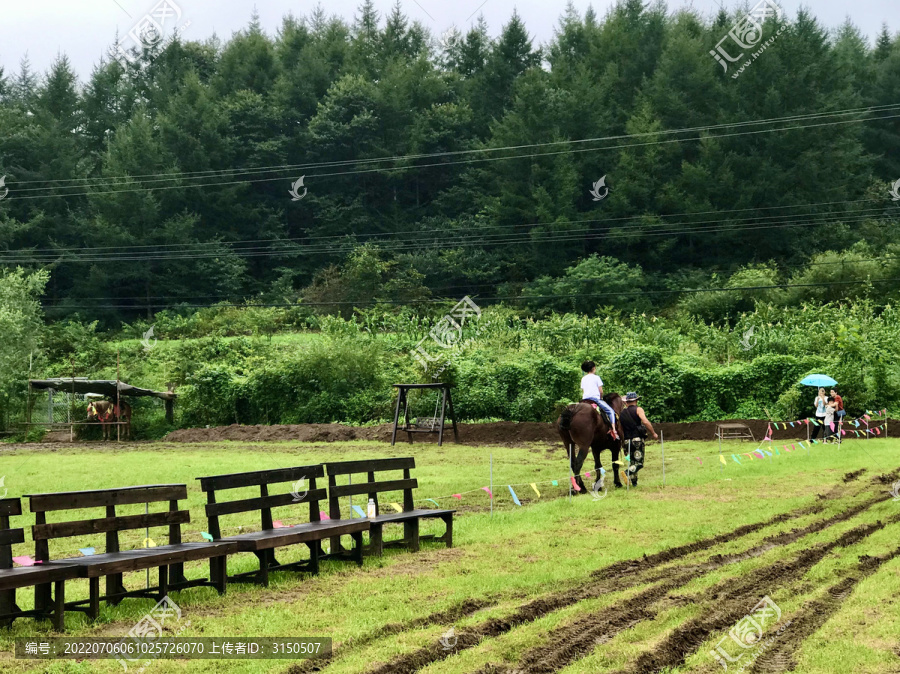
[633, 440]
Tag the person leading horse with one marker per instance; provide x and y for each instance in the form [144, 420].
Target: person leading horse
[583, 426]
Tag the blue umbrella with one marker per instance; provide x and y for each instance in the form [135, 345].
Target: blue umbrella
[818, 380]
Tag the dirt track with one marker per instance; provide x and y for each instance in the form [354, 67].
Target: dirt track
[497, 433]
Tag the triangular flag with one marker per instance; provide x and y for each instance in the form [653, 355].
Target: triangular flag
[397, 507]
[86, 551]
[206, 536]
[831, 426]
[777, 453]
[148, 543]
[488, 491]
[722, 459]
[457, 496]
[759, 454]
[534, 486]
[856, 422]
[792, 424]
[793, 446]
[555, 483]
[575, 484]
[429, 499]
[878, 430]
[699, 459]
[843, 432]
[515, 498]
[588, 474]
[736, 460]
[750, 456]
[801, 445]
[768, 453]
[362, 513]
[278, 525]
[323, 515]
[25, 560]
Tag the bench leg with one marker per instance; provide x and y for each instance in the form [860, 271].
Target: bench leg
[163, 582]
[8, 605]
[357, 547]
[114, 586]
[263, 558]
[411, 534]
[448, 537]
[336, 547]
[313, 557]
[42, 598]
[176, 574]
[218, 573]
[94, 606]
[59, 609]
[376, 539]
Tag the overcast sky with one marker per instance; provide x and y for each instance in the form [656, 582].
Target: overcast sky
[83, 29]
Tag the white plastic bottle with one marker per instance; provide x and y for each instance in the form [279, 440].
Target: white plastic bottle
[370, 509]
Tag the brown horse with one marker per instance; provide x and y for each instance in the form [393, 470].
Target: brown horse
[582, 428]
[106, 413]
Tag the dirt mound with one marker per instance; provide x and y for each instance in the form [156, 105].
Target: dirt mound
[502, 433]
[496, 433]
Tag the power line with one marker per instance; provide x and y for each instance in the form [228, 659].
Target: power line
[396, 158]
[455, 242]
[624, 219]
[445, 164]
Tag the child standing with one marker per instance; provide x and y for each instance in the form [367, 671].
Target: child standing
[830, 409]
[592, 389]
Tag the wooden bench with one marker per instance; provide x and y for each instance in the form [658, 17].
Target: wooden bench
[370, 488]
[114, 562]
[28, 576]
[263, 543]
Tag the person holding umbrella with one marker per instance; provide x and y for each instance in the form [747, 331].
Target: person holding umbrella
[819, 403]
[821, 400]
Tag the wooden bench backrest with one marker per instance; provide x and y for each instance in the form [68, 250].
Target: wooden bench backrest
[9, 507]
[370, 487]
[299, 477]
[111, 525]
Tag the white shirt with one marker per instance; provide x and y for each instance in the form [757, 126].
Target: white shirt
[590, 386]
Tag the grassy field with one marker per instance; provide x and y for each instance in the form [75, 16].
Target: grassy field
[519, 588]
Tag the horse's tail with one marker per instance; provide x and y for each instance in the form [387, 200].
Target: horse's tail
[565, 419]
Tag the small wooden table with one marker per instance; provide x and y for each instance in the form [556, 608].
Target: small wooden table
[734, 432]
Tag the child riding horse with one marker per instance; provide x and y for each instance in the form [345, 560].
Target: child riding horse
[581, 428]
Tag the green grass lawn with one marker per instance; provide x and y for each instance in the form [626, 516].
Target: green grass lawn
[506, 557]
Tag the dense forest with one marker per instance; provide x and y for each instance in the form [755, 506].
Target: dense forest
[466, 164]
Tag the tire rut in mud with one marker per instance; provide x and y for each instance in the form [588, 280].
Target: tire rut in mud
[450, 615]
[815, 613]
[730, 601]
[633, 570]
[579, 638]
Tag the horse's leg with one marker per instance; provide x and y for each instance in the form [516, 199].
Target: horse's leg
[598, 466]
[577, 463]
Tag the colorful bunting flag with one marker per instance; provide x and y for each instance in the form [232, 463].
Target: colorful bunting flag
[554, 483]
[575, 484]
[24, 560]
[206, 536]
[323, 515]
[278, 525]
[148, 543]
[429, 499]
[736, 460]
[516, 498]
[86, 551]
[777, 453]
[534, 486]
[457, 496]
[397, 507]
[490, 493]
[362, 513]
[699, 459]
[722, 459]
